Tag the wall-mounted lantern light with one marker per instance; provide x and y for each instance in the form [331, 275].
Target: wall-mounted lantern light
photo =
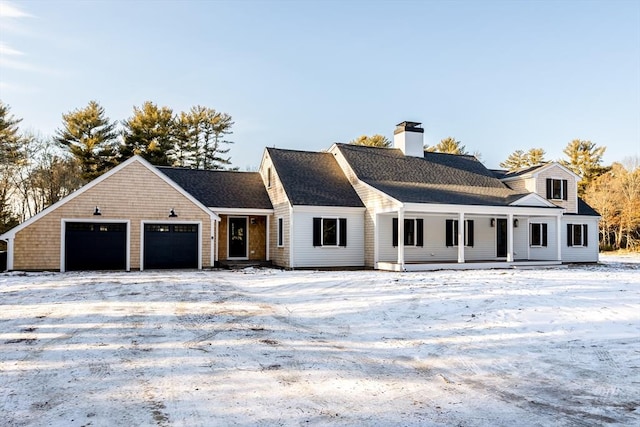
[515, 222]
[493, 222]
[172, 213]
[96, 211]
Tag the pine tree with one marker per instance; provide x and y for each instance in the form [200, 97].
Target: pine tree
[515, 161]
[519, 159]
[200, 138]
[376, 140]
[448, 145]
[90, 138]
[535, 156]
[11, 157]
[585, 160]
[149, 133]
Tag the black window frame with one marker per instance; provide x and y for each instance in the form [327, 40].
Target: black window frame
[542, 235]
[280, 232]
[413, 232]
[451, 233]
[319, 232]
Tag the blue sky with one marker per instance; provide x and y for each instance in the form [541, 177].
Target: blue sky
[496, 75]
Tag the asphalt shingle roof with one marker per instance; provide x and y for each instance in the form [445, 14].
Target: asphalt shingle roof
[435, 178]
[313, 179]
[585, 209]
[222, 189]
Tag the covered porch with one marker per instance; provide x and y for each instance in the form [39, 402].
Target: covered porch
[421, 237]
[242, 237]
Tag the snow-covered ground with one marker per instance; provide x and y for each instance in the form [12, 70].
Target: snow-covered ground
[539, 347]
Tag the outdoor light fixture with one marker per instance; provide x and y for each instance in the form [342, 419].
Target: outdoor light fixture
[515, 222]
[172, 213]
[96, 211]
[493, 222]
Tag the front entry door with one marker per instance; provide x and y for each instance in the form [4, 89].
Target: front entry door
[501, 238]
[237, 237]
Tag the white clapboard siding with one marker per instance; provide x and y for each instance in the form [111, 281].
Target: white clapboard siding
[306, 255]
[580, 254]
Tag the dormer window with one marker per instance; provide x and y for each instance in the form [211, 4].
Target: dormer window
[557, 189]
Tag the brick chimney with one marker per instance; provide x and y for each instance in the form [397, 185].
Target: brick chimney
[409, 138]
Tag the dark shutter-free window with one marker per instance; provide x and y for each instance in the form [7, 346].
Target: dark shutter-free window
[280, 231]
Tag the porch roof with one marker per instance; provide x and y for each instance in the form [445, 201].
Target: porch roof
[435, 178]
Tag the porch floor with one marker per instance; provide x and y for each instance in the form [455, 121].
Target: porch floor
[467, 265]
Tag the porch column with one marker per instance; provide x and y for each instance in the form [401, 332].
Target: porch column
[559, 237]
[401, 238]
[215, 242]
[267, 237]
[461, 237]
[510, 237]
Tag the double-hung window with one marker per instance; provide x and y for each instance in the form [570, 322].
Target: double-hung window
[538, 234]
[452, 232]
[577, 235]
[413, 232]
[329, 232]
[557, 189]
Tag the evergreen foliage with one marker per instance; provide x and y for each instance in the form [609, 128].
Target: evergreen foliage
[448, 145]
[90, 138]
[149, 133]
[376, 140]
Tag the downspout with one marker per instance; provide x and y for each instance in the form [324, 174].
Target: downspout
[291, 237]
[559, 237]
[401, 238]
[509, 237]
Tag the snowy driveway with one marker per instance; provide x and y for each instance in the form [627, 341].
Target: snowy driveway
[266, 347]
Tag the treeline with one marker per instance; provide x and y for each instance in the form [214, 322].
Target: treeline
[37, 171]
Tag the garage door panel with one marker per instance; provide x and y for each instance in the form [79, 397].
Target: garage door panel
[95, 246]
[170, 246]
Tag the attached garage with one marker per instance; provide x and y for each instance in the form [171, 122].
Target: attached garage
[95, 246]
[131, 217]
[171, 245]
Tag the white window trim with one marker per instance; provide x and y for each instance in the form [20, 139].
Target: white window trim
[581, 227]
[532, 225]
[322, 245]
[561, 189]
[415, 233]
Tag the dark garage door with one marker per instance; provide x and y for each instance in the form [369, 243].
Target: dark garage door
[170, 246]
[95, 246]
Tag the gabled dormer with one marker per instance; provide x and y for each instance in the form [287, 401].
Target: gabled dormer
[552, 181]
